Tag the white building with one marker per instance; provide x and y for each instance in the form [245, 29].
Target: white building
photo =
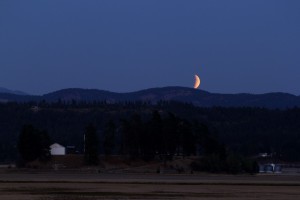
[57, 149]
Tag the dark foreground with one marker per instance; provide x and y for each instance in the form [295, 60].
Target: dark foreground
[86, 186]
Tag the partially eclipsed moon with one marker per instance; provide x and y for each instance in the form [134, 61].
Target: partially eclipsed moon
[197, 82]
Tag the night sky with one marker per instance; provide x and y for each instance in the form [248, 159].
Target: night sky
[249, 46]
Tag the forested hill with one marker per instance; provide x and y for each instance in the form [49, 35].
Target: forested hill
[187, 95]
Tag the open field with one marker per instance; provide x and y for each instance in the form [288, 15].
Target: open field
[86, 186]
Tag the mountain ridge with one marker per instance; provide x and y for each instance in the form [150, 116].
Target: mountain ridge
[170, 93]
[5, 90]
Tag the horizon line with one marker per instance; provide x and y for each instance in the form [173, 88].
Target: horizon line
[139, 90]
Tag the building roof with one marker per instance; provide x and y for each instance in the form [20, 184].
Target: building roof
[56, 145]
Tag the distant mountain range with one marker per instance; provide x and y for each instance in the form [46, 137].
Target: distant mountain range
[181, 94]
[4, 90]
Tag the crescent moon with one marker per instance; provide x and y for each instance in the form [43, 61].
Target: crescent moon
[197, 82]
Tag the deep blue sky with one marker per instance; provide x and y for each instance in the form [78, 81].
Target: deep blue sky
[234, 45]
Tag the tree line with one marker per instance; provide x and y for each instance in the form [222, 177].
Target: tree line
[158, 137]
[248, 131]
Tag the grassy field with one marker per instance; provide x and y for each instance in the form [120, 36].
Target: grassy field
[86, 186]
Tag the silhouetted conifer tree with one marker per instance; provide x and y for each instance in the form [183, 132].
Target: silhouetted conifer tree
[33, 144]
[109, 137]
[91, 145]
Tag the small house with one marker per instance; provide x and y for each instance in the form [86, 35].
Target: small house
[57, 149]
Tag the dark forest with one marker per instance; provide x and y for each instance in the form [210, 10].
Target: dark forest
[143, 130]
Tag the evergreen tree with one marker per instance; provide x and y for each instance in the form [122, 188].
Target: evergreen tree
[170, 135]
[33, 144]
[45, 143]
[109, 137]
[91, 145]
[155, 132]
[188, 140]
[133, 136]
